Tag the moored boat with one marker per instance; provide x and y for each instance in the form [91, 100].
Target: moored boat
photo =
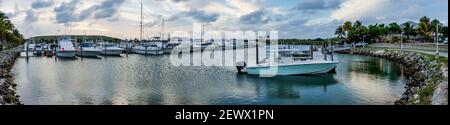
[152, 48]
[65, 48]
[87, 49]
[287, 64]
[109, 49]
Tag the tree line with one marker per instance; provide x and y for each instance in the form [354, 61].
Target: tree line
[9, 35]
[424, 31]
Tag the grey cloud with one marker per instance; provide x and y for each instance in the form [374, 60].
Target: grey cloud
[198, 15]
[260, 16]
[297, 29]
[176, 1]
[312, 6]
[202, 16]
[15, 13]
[31, 16]
[42, 4]
[66, 12]
[152, 23]
[108, 8]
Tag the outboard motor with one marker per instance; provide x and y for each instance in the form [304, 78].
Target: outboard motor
[240, 66]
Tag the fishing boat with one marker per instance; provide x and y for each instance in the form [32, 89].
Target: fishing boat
[287, 64]
[88, 49]
[65, 48]
[109, 49]
[152, 48]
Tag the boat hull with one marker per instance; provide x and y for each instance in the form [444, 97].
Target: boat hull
[293, 69]
[167, 50]
[148, 52]
[88, 53]
[111, 52]
[65, 54]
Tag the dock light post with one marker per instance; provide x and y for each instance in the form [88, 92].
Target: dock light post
[331, 48]
[324, 51]
[257, 51]
[311, 52]
[437, 40]
[364, 36]
[401, 42]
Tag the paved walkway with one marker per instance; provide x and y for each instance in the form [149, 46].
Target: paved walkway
[442, 54]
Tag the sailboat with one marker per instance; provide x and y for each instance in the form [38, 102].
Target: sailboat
[151, 48]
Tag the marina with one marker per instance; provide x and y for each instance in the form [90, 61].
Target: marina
[139, 80]
[226, 52]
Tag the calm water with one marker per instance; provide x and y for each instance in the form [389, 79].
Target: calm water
[141, 80]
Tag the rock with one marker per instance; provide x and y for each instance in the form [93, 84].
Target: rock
[7, 90]
[416, 96]
[440, 95]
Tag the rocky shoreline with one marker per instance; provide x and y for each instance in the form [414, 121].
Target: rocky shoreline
[425, 80]
[8, 94]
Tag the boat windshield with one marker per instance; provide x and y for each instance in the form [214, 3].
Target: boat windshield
[87, 45]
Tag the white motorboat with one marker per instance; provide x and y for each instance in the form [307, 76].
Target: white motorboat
[109, 49]
[65, 48]
[168, 47]
[38, 49]
[87, 49]
[286, 64]
[152, 48]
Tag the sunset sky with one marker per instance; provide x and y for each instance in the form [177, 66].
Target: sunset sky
[292, 18]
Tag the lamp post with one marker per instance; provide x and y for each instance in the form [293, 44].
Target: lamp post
[437, 39]
[401, 42]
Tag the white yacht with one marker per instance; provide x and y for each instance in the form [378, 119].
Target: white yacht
[287, 64]
[152, 48]
[109, 49]
[168, 47]
[38, 49]
[87, 49]
[65, 48]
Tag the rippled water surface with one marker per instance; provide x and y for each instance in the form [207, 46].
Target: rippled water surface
[142, 80]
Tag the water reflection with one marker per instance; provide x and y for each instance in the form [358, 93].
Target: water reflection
[141, 80]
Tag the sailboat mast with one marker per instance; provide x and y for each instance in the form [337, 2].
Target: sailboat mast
[141, 25]
[162, 33]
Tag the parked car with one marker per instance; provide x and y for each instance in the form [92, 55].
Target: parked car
[360, 44]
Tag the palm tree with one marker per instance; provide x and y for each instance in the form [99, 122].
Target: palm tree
[5, 27]
[424, 28]
[383, 32]
[444, 31]
[8, 33]
[346, 28]
[408, 29]
[340, 32]
[394, 28]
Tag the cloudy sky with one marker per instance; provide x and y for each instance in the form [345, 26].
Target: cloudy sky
[292, 18]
